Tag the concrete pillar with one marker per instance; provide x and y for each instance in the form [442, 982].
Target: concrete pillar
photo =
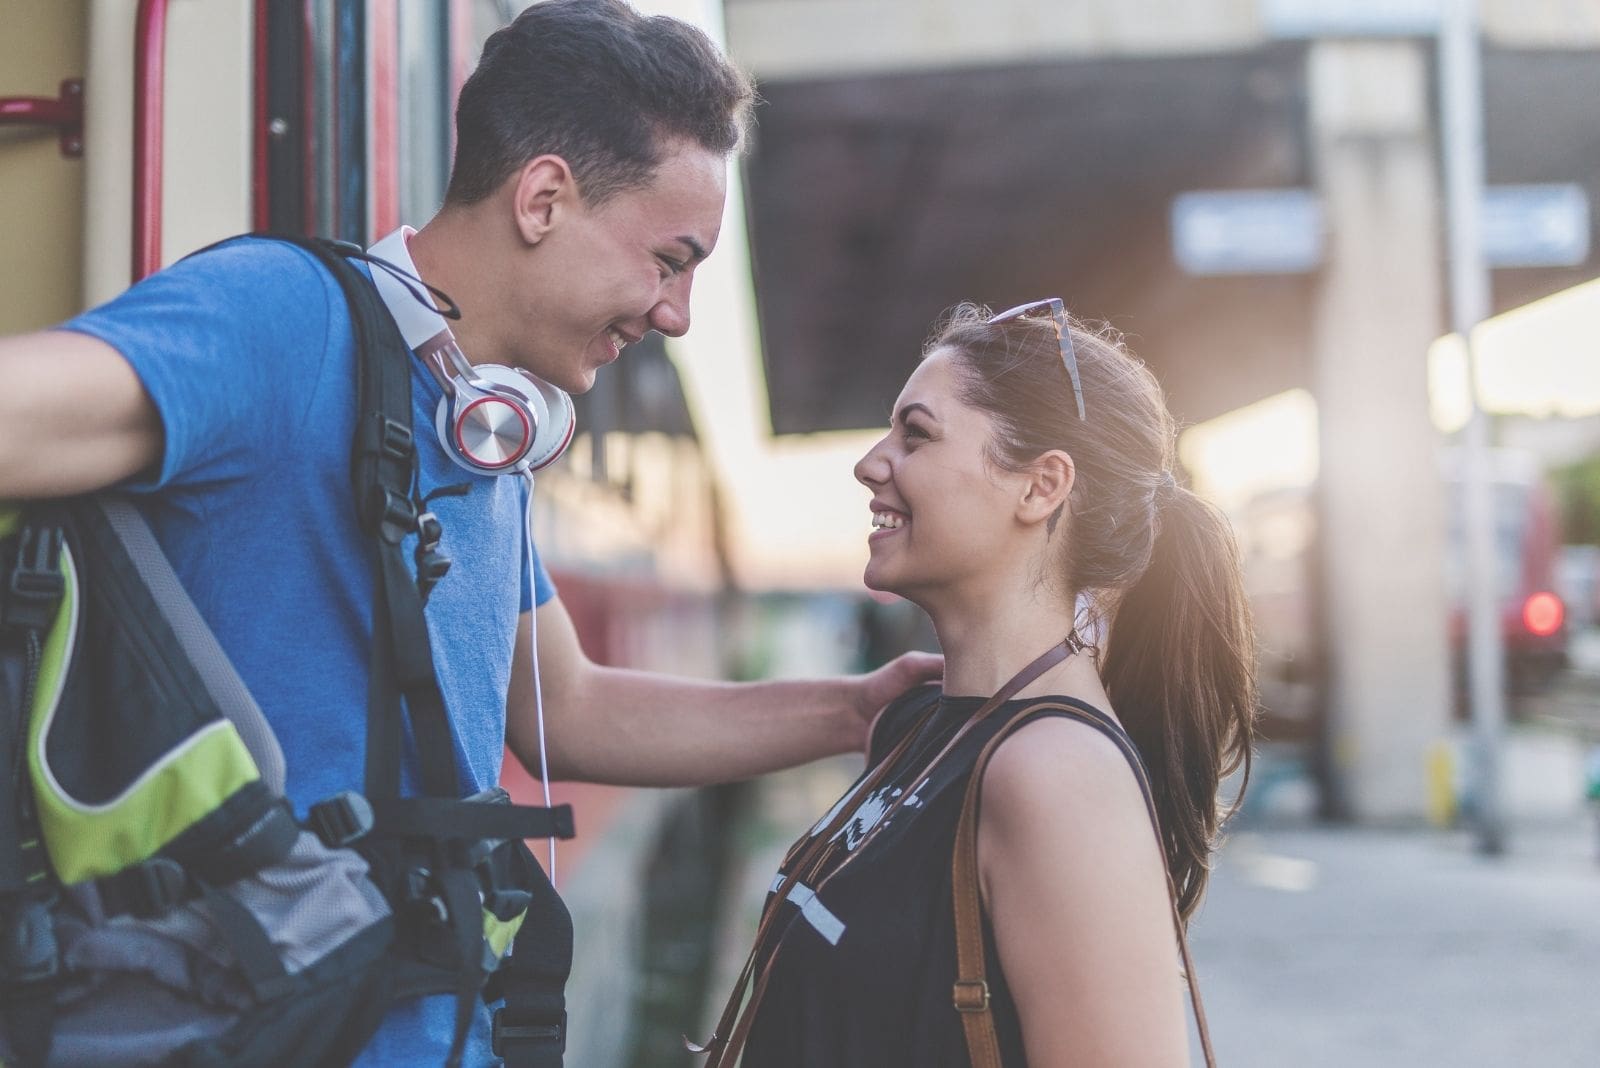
[1381, 503]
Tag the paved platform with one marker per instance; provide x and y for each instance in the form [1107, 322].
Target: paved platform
[1359, 947]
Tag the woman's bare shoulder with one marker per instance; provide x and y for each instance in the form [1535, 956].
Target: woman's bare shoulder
[1062, 781]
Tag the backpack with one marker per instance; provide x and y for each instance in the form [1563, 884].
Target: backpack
[159, 901]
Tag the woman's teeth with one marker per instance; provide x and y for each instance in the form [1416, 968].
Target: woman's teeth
[886, 521]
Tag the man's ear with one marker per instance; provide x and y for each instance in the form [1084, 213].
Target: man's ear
[1049, 481]
[541, 191]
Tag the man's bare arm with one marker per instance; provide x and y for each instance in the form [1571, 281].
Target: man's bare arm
[639, 728]
[73, 416]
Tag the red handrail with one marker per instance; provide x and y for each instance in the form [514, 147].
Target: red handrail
[149, 73]
[260, 205]
[65, 113]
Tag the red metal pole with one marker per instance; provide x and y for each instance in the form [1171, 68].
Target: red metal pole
[260, 141]
[149, 75]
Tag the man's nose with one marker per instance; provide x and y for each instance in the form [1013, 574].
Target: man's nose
[671, 314]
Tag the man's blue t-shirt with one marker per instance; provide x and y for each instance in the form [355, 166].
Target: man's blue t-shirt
[248, 353]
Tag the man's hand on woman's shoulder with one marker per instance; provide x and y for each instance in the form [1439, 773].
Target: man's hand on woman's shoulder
[869, 693]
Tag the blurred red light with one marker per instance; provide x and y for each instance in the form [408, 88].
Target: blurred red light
[1542, 614]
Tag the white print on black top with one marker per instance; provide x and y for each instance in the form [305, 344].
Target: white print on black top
[869, 812]
[854, 831]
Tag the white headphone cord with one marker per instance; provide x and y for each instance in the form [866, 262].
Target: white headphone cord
[533, 651]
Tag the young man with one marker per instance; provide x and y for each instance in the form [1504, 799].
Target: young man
[588, 184]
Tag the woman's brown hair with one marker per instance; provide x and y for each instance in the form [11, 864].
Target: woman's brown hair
[1156, 561]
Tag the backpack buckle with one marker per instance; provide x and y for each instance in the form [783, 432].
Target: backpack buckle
[394, 440]
[36, 584]
[395, 514]
[432, 565]
[145, 890]
[341, 820]
[385, 438]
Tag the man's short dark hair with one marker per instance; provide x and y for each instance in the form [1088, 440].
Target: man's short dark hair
[601, 86]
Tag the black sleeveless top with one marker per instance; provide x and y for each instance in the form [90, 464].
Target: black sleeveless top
[863, 975]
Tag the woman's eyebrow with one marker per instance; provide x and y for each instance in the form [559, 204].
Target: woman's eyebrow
[915, 406]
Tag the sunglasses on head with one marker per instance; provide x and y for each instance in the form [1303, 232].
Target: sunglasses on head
[1058, 315]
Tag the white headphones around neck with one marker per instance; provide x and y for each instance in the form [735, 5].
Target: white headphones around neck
[492, 419]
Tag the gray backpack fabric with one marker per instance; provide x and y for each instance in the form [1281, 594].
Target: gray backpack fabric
[151, 955]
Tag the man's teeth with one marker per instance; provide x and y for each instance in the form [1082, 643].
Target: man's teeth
[617, 339]
[886, 521]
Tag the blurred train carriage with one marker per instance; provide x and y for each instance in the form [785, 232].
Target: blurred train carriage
[1277, 533]
[1526, 549]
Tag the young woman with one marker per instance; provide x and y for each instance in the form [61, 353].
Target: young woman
[1027, 473]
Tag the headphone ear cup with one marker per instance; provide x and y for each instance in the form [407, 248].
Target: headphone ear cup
[487, 423]
[551, 420]
[556, 425]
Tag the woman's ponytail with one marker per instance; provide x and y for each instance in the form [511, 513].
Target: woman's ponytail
[1180, 670]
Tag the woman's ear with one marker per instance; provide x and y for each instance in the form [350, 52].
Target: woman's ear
[541, 190]
[1049, 482]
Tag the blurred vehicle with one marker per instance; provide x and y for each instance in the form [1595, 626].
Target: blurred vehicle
[1526, 546]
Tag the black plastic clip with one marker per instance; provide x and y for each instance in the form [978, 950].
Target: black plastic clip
[396, 515]
[146, 890]
[424, 902]
[341, 820]
[432, 565]
[387, 438]
[36, 584]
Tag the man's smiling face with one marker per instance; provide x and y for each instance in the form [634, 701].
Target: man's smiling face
[604, 275]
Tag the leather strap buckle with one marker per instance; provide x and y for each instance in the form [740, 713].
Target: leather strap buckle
[972, 995]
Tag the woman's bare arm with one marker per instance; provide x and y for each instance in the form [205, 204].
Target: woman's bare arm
[1074, 884]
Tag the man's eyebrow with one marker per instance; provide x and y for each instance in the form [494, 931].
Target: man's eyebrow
[915, 406]
[698, 250]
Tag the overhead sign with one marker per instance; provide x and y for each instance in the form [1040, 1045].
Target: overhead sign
[1351, 18]
[1535, 225]
[1247, 231]
[1280, 231]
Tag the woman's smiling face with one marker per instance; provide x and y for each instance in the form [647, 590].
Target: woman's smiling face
[940, 510]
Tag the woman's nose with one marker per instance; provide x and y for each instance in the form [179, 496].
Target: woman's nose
[872, 469]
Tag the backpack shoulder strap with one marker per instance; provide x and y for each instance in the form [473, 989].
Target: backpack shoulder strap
[383, 471]
[971, 993]
[216, 671]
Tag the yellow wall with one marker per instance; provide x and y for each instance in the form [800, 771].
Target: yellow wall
[41, 192]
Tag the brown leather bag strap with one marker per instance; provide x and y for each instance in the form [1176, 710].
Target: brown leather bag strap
[971, 993]
[807, 857]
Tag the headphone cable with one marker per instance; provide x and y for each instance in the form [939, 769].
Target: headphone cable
[533, 650]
